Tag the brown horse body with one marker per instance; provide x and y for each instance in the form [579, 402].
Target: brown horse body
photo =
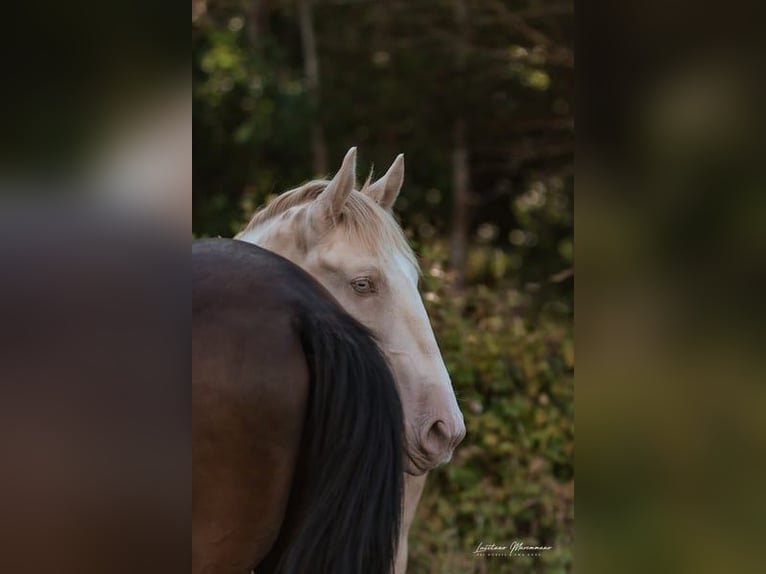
[297, 454]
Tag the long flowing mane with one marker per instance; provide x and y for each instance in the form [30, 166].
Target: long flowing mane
[362, 219]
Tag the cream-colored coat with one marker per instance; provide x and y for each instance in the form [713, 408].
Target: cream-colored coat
[350, 242]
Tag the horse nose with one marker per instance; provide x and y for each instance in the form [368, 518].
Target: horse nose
[441, 438]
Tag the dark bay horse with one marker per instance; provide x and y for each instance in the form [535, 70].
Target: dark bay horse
[297, 424]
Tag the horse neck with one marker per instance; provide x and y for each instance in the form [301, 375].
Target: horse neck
[262, 237]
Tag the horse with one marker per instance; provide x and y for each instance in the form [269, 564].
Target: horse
[349, 240]
[297, 423]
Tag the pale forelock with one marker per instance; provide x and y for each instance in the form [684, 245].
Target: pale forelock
[361, 218]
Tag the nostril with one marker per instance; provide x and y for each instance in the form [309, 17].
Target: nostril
[437, 438]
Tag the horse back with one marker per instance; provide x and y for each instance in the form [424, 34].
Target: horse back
[249, 392]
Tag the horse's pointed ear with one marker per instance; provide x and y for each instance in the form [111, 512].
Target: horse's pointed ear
[330, 202]
[387, 188]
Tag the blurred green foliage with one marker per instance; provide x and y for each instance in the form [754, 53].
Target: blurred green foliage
[389, 83]
[511, 358]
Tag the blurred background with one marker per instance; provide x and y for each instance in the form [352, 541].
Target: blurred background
[478, 95]
[671, 222]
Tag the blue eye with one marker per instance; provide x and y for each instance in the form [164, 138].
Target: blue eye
[363, 285]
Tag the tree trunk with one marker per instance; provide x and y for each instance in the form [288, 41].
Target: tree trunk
[460, 203]
[461, 176]
[311, 70]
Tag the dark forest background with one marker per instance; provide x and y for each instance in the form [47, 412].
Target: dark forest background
[478, 96]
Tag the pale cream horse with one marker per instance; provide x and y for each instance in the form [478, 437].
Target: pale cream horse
[351, 243]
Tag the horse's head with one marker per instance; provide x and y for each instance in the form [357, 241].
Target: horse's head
[351, 243]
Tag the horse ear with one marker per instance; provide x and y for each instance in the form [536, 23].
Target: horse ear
[331, 201]
[387, 188]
